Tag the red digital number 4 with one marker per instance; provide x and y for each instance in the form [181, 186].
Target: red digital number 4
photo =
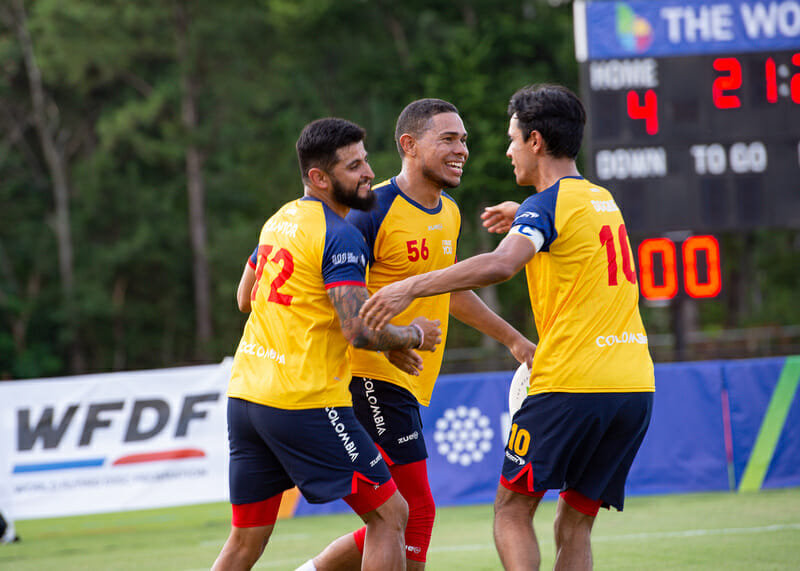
[607, 239]
[647, 111]
[283, 257]
[415, 253]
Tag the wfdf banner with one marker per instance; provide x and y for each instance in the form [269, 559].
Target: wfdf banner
[125, 441]
[115, 442]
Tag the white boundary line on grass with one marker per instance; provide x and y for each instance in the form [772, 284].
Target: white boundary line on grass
[653, 535]
[266, 563]
[699, 532]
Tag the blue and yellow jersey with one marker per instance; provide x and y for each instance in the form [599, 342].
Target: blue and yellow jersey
[406, 239]
[585, 300]
[293, 354]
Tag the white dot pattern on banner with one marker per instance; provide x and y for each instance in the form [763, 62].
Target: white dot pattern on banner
[463, 435]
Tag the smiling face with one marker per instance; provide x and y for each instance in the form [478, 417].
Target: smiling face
[351, 178]
[521, 154]
[443, 150]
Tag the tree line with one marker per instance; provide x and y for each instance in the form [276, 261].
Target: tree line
[145, 143]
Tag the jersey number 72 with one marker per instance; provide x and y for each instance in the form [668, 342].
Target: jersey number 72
[282, 256]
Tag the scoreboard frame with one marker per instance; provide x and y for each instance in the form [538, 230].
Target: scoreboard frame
[694, 111]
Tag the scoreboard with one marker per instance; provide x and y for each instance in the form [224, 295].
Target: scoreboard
[694, 111]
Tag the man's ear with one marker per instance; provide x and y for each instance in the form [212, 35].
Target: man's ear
[318, 177]
[408, 144]
[536, 141]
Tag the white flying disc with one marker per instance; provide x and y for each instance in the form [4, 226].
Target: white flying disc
[519, 388]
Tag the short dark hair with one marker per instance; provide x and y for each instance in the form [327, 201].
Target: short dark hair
[415, 117]
[554, 111]
[320, 140]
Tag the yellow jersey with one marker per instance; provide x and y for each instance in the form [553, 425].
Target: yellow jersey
[292, 354]
[583, 292]
[406, 239]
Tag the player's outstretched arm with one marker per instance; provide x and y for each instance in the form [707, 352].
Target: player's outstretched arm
[479, 271]
[422, 334]
[468, 308]
[245, 288]
[498, 218]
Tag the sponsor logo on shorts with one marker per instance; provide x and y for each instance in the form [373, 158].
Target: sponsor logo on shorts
[375, 461]
[625, 338]
[341, 431]
[408, 437]
[413, 549]
[377, 414]
[463, 435]
[514, 458]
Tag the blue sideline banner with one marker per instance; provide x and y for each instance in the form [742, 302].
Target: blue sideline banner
[685, 449]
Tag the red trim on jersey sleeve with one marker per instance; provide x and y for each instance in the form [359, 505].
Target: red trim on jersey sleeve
[345, 283]
[252, 261]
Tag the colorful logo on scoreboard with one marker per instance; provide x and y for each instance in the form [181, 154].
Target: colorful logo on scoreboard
[634, 33]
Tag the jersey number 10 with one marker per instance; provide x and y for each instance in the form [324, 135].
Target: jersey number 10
[607, 239]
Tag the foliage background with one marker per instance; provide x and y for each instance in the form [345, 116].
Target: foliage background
[144, 144]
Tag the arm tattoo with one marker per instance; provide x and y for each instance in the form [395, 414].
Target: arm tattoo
[347, 300]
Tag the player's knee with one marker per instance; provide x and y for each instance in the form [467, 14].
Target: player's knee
[247, 544]
[575, 516]
[395, 511]
[516, 503]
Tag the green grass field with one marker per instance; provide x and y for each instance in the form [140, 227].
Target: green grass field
[675, 532]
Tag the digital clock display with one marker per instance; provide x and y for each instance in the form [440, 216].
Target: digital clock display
[694, 111]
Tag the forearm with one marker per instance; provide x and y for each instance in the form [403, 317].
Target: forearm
[348, 301]
[473, 273]
[470, 309]
[388, 338]
[245, 288]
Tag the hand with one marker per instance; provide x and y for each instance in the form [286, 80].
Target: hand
[433, 334]
[523, 351]
[384, 305]
[498, 218]
[407, 360]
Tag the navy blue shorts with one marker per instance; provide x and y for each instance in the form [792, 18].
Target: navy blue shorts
[585, 442]
[391, 416]
[323, 451]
